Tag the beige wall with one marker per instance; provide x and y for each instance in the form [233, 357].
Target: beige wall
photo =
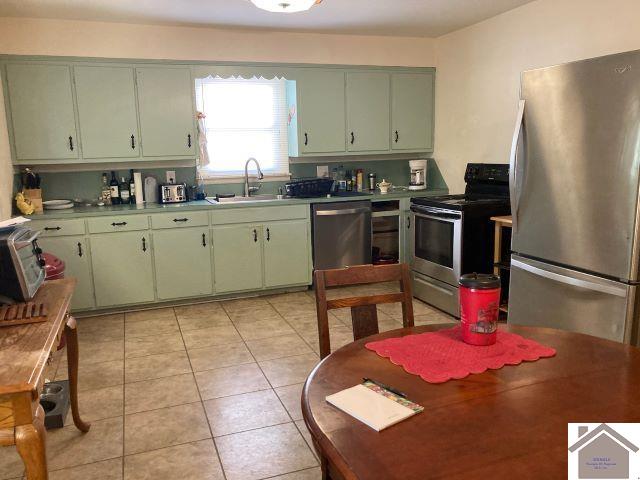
[478, 68]
[97, 39]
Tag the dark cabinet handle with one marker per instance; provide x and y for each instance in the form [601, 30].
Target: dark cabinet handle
[180, 220]
[71, 143]
[204, 240]
[353, 138]
[255, 235]
[48, 229]
[306, 138]
[133, 142]
[79, 249]
[144, 244]
[268, 235]
[397, 136]
[408, 222]
[189, 140]
[118, 224]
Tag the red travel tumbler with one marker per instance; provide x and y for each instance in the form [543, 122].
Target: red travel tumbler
[479, 303]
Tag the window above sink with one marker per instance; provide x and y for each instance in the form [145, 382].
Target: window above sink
[243, 118]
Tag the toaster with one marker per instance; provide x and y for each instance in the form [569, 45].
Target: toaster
[173, 193]
[21, 263]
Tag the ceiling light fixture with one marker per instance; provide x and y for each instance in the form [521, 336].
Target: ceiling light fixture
[285, 6]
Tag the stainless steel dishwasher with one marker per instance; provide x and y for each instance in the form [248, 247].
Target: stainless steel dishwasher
[341, 234]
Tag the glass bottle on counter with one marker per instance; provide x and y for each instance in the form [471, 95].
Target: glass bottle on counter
[342, 182]
[124, 191]
[105, 193]
[132, 188]
[334, 176]
[114, 187]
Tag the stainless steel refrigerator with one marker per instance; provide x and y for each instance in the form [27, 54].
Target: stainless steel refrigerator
[574, 183]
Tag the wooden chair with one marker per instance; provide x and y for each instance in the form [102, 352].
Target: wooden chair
[364, 314]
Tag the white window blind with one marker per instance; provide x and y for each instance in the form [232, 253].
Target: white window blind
[244, 118]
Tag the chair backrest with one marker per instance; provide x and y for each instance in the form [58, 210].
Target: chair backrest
[364, 314]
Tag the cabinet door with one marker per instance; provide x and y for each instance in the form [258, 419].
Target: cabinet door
[321, 111]
[107, 111]
[286, 253]
[412, 111]
[367, 111]
[122, 268]
[183, 262]
[165, 102]
[41, 102]
[74, 253]
[237, 258]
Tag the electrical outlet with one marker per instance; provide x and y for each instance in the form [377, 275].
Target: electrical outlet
[322, 170]
[171, 176]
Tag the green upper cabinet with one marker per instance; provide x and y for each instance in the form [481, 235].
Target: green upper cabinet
[367, 111]
[122, 268]
[321, 112]
[165, 104]
[75, 254]
[42, 117]
[237, 258]
[412, 111]
[287, 257]
[183, 262]
[107, 111]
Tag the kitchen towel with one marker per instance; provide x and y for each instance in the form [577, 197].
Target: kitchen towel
[440, 356]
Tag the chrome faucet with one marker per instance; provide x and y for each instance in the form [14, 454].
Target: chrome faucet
[248, 189]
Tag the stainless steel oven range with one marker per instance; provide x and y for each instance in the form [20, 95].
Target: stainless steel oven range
[452, 235]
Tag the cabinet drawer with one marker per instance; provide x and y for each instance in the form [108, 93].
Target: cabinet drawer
[259, 214]
[122, 223]
[58, 228]
[179, 219]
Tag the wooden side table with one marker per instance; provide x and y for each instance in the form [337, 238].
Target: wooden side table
[501, 258]
[24, 351]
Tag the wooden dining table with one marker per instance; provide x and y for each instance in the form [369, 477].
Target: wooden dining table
[504, 423]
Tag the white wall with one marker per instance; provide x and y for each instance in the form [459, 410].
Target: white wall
[478, 70]
[118, 40]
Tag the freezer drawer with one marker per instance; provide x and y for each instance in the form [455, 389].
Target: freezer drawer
[434, 292]
[544, 295]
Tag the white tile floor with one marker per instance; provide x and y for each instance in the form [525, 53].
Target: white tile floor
[208, 391]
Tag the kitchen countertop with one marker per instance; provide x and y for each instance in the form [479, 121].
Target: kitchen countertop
[80, 212]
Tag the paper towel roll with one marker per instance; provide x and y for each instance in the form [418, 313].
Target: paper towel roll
[137, 181]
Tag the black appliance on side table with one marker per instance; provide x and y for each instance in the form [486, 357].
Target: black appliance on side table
[452, 235]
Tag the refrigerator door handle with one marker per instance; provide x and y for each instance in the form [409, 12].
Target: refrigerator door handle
[576, 282]
[513, 164]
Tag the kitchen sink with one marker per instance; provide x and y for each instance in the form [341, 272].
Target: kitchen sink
[253, 198]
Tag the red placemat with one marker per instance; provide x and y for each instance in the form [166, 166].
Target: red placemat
[442, 355]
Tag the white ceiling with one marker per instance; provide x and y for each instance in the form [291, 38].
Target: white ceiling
[419, 18]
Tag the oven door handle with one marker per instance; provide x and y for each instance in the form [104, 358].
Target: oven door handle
[447, 217]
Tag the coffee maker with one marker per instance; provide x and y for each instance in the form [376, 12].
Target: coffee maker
[418, 170]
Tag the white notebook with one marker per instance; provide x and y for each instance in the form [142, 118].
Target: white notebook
[374, 406]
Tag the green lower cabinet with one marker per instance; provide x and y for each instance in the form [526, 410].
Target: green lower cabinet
[286, 253]
[405, 236]
[75, 254]
[122, 268]
[237, 258]
[183, 262]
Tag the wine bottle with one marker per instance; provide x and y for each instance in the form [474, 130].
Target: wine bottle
[105, 193]
[115, 189]
[124, 191]
[132, 188]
